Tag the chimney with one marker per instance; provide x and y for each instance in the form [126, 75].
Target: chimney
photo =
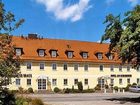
[32, 36]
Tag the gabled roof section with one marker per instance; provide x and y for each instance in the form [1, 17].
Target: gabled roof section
[30, 47]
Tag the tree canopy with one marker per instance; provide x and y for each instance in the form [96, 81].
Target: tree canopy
[124, 35]
[9, 62]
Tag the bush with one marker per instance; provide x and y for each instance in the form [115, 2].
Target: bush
[97, 87]
[30, 90]
[56, 90]
[21, 90]
[127, 87]
[134, 84]
[89, 91]
[67, 90]
[37, 102]
[80, 86]
[116, 88]
[22, 101]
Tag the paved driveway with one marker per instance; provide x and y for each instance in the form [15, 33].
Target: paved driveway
[87, 99]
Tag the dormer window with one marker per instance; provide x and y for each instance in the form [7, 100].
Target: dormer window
[100, 56]
[41, 52]
[70, 54]
[109, 56]
[53, 53]
[18, 51]
[85, 55]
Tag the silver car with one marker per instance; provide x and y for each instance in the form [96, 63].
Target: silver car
[134, 89]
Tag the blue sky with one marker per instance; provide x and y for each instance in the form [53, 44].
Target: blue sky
[66, 19]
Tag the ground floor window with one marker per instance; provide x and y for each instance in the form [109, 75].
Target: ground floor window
[86, 81]
[101, 83]
[65, 81]
[41, 84]
[17, 81]
[28, 82]
[54, 82]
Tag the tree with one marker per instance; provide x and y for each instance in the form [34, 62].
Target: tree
[9, 62]
[124, 36]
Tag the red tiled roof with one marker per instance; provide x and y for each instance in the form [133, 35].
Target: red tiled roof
[30, 47]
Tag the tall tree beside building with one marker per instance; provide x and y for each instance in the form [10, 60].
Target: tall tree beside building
[124, 35]
[9, 64]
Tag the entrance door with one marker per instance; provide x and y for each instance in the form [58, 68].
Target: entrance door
[101, 83]
[41, 84]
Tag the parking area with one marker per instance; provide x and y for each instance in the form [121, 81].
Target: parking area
[88, 99]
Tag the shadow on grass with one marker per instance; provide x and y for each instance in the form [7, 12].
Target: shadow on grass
[124, 100]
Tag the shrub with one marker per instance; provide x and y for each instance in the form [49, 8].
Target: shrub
[30, 90]
[134, 84]
[97, 87]
[89, 91]
[116, 88]
[106, 86]
[20, 90]
[56, 90]
[22, 101]
[127, 87]
[67, 90]
[80, 86]
[37, 102]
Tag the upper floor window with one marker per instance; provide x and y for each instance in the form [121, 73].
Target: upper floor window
[120, 81]
[70, 54]
[42, 65]
[86, 67]
[53, 53]
[18, 51]
[110, 56]
[138, 68]
[75, 81]
[29, 82]
[85, 55]
[128, 67]
[54, 82]
[101, 67]
[41, 52]
[120, 67]
[76, 67]
[100, 56]
[65, 67]
[111, 67]
[54, 66]
[29, 65]
[86, 81]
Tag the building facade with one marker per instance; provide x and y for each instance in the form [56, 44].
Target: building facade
[49, 63]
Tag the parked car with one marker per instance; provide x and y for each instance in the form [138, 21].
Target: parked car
[134, 88]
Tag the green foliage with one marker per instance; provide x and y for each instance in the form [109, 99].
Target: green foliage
[56, 90]
[22, 101]
[97, 87]
[116, 88]
[88, 91]
[80, 86]
[37, 102]
[6, 97]
[124, 35]
[30, 90]
[134, 84]
[127, 87]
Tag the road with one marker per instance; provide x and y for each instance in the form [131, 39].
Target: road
[86, 99]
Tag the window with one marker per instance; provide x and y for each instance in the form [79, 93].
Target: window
[120, 67]
[120, 81]
[85, 55]
[138, 81]
[75, 81]
[53, 53]
[54, 82]
[101, 83]
[65, 67]
[76, 67]
[86, 67]
[138, 68]
[101, 67]
[65, 81]
[70, 54]
[112, 81]
[41, 84]
[110, 56]
[111, 67]
[86, 81]
[41, 53]
[29, 65]
[128, 80]
[17, 81]
[128, 68]
[100, 56]
[42, 65]
[54, 66]
[28, 82]
[18, 51]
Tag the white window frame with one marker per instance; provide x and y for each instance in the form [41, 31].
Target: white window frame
[120, 81]
[70, 54]
[66, 67]
[110, 57]
[18, 51]
[54, 82]
[41, 53]
[18, 81]
[102, 67]
[86, 67]
[28, 82]
[128, 68]
[65, 82]
[75, 81]
[76, 67]
[128, 82]
[85, 55]
[86, 82]
[120, 68]
[53, 53]
[100, 56]
[111, 68]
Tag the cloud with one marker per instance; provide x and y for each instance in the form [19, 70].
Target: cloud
[109, 2]
[73, 12]
[133, 2]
